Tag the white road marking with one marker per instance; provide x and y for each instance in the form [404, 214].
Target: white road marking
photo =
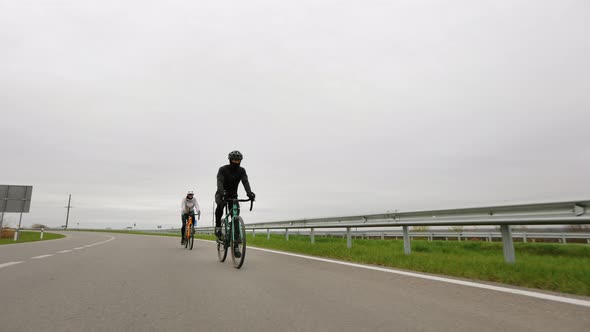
[9, 264]
[42, 256]
[111, 238]
[441, 279]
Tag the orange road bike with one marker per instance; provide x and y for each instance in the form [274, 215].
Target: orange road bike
[189, 232]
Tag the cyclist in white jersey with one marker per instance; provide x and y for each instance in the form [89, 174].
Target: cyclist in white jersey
[188, 207]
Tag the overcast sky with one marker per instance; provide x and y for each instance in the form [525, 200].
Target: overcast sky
[339, 107]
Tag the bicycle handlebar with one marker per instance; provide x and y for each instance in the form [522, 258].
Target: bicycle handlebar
[228, 200]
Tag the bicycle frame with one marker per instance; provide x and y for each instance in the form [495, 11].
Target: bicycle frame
[229, 224]
[233, 213]
[188, 227]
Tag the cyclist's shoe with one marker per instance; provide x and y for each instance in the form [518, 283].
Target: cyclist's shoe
[237, 253]
[218, 233]
[181, 240]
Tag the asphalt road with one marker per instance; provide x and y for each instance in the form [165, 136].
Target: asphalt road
[116, 282]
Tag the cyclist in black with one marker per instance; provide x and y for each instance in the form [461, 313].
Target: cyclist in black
[228, 179]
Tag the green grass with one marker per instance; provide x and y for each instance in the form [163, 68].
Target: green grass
[554, 267]
[31, 237]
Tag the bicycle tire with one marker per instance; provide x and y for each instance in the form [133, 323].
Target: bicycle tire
[185, 240]
[192, 239]
[187, 231]
[240, 241]
[222, 247]
[221, 251]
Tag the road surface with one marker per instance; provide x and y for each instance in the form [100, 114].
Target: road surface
[117, 282]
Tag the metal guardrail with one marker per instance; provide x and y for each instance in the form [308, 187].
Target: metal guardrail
[554, 213]
[430, 236]
[573, 212]
[488, 236]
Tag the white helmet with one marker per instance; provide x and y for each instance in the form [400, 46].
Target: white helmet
[190, 192]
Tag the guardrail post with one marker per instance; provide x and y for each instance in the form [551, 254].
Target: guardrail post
[42, 230]
[508, 244]
[524, 237]
[563, 239]
[348, 238]
[16, 235]
[430, 238]
[459, 237]
[490, 237]
[268, 233]
[383, 237]
[253, 233]
[312, 236]
[287, 234]
[407, 246]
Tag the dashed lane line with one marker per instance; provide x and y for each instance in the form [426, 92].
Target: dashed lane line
[9, 264]
[42, 256]
[2, 265]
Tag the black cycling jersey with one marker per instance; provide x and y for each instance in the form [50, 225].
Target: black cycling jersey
[229, 177]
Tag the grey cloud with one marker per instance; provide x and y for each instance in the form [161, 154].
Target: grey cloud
[339, 107]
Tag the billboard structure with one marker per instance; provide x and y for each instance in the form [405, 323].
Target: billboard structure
[15, 199]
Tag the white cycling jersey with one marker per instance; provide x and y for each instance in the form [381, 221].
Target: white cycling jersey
[188, 205]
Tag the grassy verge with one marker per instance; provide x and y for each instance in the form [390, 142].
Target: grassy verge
[32, 237]
[554, 267]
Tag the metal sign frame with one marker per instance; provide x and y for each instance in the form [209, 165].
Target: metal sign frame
[15, 199]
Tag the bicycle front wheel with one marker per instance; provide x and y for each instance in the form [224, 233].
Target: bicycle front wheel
[239, 242]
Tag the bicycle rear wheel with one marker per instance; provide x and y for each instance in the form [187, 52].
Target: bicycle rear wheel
[192, 238]
[239, 241]
[221, 251]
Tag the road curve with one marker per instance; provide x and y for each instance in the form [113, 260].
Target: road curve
[117, 282]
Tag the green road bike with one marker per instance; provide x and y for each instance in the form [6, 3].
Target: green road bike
[233, 233]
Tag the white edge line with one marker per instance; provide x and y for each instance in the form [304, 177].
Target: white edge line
[63, 251]
[9, 264]
[42, 256]
[441, 279]
[79, 248]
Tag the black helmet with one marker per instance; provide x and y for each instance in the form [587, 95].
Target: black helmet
[235, 155]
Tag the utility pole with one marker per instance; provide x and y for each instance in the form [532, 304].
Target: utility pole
[68, 214]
